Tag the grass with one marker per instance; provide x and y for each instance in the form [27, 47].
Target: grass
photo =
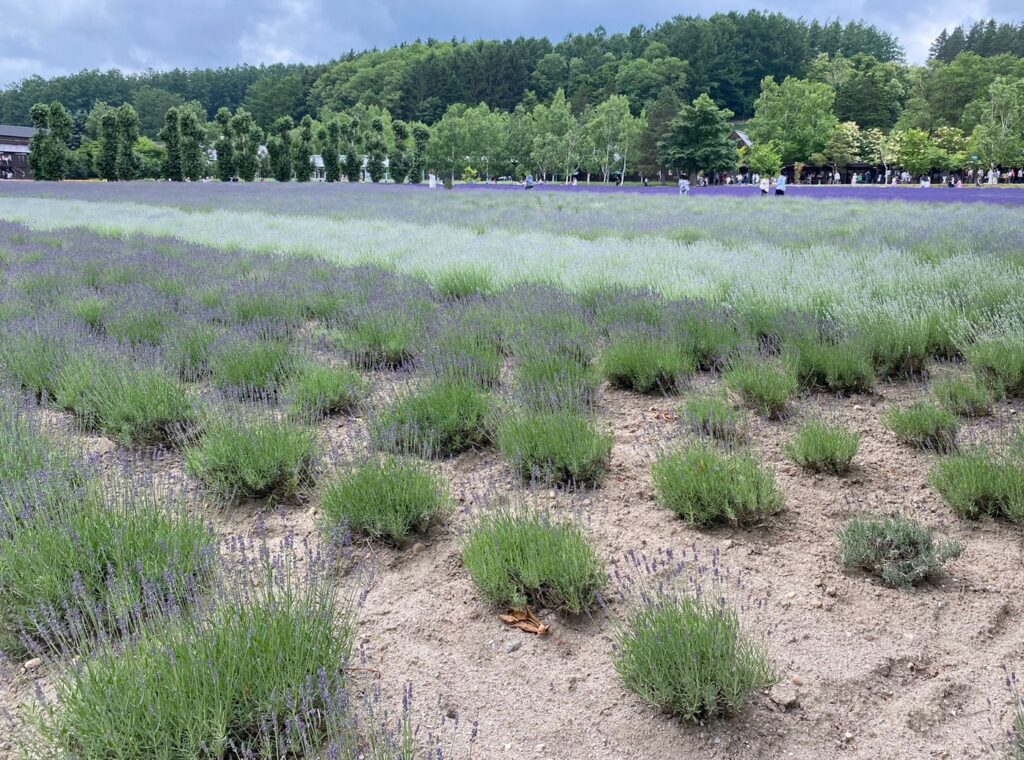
[900, 551]
[318, 391]
[251, 367]
[221, 685]
[689, 657]
[715, 418]
[823, 448]
[466, 357]
[93, 561]
[258, 457]
[645, 365]
[188, 350]
[706, 487]
[140, 326]
[924, 425]
[896, 348]
[557, 446]
[981, 483]
[132, 405]
[31, 359]
[764, 387]
[387, 499]
[964, 398]
[522, 558]
[441, 420]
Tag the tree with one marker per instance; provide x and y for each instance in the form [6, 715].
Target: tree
[224, 145]
[49, 156]
[764, 159]
[797, 115]
[329, 140]
[556, 137]
[844, 145]
[399, 161]
[445, 148]
[247, 138]
[614, 132]
[376, 149]
[128, 162]
[151, 158]
[350, 138]
[171, 136]
[917, 153]
[152, 104]
[420, 141]
[192, 143]
[999, 138]
[279, 146]
[698, 139]
[106, 159]
[302, 150]
[660, 114]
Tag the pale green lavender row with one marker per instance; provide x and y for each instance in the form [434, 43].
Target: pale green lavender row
[849, 282]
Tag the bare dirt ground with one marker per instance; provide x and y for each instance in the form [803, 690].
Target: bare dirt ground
[865, 671]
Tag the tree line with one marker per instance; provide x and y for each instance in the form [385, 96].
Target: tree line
[725, 55]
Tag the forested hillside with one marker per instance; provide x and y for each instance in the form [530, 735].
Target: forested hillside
[726, 55]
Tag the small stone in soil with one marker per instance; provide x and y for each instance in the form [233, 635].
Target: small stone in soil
[418, 548]
[514, 646]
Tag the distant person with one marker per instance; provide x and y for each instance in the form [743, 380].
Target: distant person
[684, 186]
[432, 179]
[780, 185]
[528, 183]
[765, 184]
[646, 182]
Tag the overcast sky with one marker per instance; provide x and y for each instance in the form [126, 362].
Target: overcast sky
[49, 37]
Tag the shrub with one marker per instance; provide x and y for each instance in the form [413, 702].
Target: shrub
[823, 448]
[689, 657]
[253, 677]
[710, 338]
[265, 306]
[558, 446]
[924, 425]
[31, 360]
[715, 417]
[92, 561]
[140, 326]
[1000, 362]
[188, 351]
[441, 420]
[464, 281]
[250, 368]
[379, 341]
[133, 405]
[520, 558]
[253, 459]
[836, 367]
[644, 365]
[901, 551]
[318, 391]
[387, 499]
[964, 397]
[765, 388]
[553, 383]
[705, 486]
[93, 311]
[896, 348]
[466, 357]
[980, 483]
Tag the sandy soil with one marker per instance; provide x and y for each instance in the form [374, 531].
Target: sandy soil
[869, 672]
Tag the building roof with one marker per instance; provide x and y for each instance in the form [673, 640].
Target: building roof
[7, 148]
[742, 137]
[9, 130]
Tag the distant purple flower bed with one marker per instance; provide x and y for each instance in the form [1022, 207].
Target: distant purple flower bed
[1007, 196]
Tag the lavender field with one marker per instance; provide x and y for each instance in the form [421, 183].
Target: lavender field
[719, 476]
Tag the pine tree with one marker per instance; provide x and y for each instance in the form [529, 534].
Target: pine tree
[171, 136]
[224, 146]
[376, 150]
[353, 160]
[698, 139]
[280, 149]
[49, 156]
[418, 162]
[400, 161]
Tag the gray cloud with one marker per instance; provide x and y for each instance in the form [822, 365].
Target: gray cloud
[61, 36]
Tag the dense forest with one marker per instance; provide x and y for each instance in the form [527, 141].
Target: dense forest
[725, 55]
[652, 102]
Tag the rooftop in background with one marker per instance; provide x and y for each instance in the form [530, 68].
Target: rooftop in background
[10, 130]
